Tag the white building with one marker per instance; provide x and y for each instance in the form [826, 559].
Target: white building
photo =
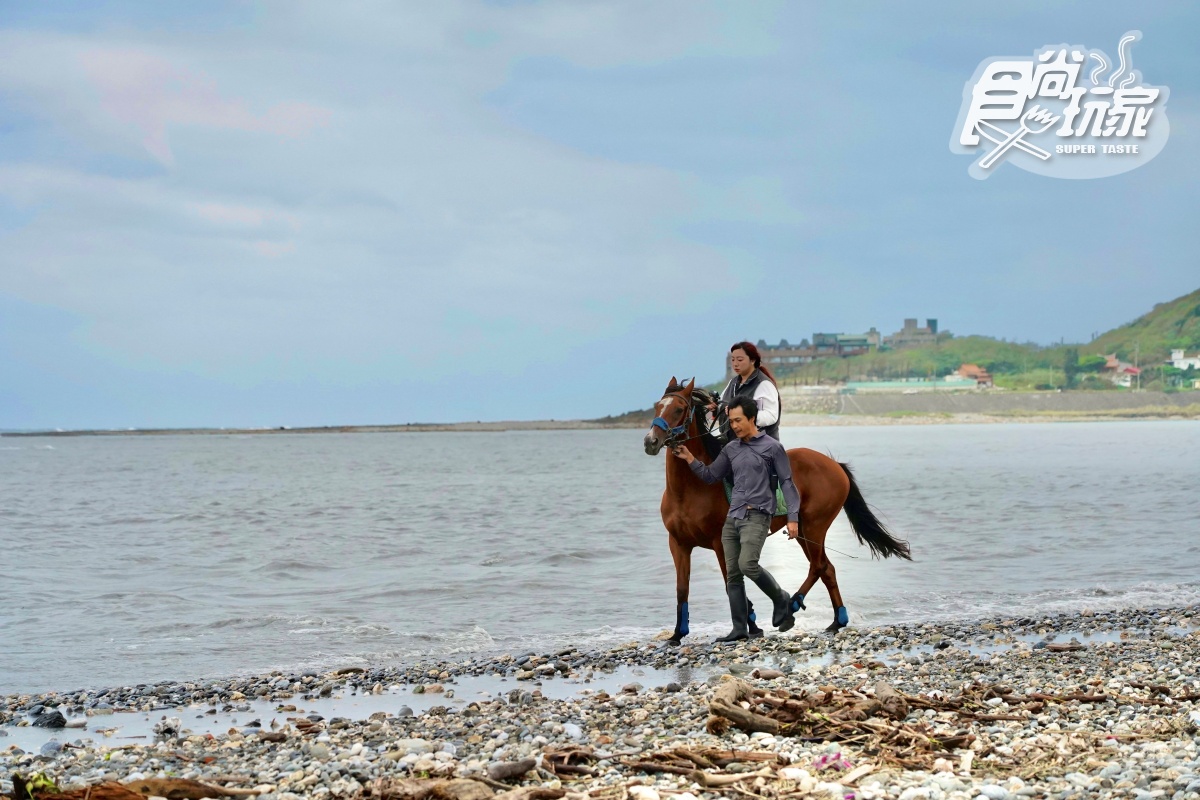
[1179, 361]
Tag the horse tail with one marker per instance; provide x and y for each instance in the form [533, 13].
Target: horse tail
[867, 527]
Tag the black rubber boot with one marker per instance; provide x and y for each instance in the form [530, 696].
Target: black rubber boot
[782, 617]
[738, 612]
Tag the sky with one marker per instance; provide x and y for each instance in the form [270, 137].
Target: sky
[231, 214]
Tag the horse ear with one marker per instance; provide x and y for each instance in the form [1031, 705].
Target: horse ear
[691, 385]
[672, 384]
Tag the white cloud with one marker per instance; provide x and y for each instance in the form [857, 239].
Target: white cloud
[311, 209]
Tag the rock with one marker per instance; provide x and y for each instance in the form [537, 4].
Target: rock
[49, 719]
[168, 728]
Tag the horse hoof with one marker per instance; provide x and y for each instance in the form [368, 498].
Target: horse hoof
[833, 628]
[756, 633]
[673, 642]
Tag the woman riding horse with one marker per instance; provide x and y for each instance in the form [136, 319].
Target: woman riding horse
[751, 379]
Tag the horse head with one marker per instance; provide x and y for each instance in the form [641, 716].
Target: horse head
[673, 415]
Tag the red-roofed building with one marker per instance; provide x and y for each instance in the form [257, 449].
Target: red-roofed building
[982, 378]
[1122, 373]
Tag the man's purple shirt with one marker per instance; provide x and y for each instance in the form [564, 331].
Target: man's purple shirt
[749, 464]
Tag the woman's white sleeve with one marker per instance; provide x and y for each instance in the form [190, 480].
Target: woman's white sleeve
[766, 397]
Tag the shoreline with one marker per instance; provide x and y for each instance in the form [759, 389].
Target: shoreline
[1066, 705]
[789, 420]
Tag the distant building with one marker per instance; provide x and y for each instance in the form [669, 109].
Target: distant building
[982, 378]
[823, 345]
[1180, 361]
[912, 336]
[1119, 372]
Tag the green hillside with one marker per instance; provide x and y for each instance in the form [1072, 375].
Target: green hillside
[1170, 325]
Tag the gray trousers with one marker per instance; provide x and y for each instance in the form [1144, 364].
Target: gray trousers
[743, 540]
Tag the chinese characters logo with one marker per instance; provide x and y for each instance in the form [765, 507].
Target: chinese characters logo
[1044, 115]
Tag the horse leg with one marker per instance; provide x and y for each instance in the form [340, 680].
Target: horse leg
[821, 568]
[682, 556]
[809, 580]
[841, 617]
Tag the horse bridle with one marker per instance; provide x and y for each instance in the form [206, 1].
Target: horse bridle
[678, 430]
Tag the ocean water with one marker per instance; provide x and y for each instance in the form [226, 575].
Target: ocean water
[136, 559]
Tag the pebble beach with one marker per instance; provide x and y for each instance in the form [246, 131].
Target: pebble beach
[1077, 705]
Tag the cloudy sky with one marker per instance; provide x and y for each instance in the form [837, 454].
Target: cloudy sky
[291, 213]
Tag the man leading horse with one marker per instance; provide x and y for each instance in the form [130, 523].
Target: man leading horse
[750, 459]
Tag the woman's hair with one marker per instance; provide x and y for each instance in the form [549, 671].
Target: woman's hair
[752, 351]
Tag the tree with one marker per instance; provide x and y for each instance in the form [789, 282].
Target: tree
[1070, 366]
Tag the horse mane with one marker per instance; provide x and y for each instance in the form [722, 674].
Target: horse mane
[712, 445]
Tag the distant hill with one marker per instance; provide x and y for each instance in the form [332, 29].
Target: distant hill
[1170, 325]
[628, 419]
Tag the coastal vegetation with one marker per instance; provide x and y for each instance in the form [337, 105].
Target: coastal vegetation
[1146, 343]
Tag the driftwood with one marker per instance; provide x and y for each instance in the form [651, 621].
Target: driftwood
[507, 770]
[170, 788]
[184, 789]
[531, 793]
[894, 704]
[834, 715]
[726, 702]
[428, 789]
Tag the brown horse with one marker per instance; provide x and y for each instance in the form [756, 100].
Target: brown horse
[694, 512]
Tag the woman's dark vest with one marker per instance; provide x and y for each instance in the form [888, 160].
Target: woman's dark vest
[747, 390]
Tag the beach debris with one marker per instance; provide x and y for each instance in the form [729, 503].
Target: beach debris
[899, 730]
[832, 761]
[168, 728]
[39, 787]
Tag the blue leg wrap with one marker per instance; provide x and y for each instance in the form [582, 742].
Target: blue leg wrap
[843, 616]
[681, 621]
[798, 602]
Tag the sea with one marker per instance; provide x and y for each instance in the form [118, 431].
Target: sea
[137, 559]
